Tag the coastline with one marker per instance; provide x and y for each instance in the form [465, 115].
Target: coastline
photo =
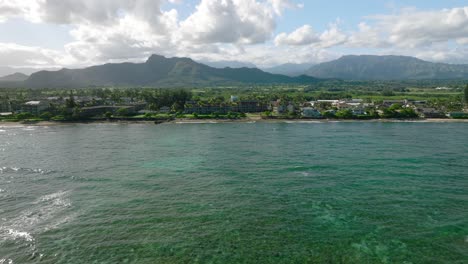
[244, 120]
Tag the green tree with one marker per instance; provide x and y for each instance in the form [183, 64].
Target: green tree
[122, 112]
[345, 114]
[46, 115]
[108, 115]
[466, 94]
[70, 102]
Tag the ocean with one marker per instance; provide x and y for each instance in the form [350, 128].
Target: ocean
[343, 192]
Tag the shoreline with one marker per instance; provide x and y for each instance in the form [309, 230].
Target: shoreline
[244, 120]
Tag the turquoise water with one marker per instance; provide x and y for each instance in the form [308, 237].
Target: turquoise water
[235, 193]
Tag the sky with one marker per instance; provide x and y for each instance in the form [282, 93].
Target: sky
[79, 33]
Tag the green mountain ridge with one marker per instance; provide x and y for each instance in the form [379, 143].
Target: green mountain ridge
[369, 67]
[157, 71]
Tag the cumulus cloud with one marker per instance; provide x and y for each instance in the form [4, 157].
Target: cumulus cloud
[413, 28]
[232, 21]
[302, 36]
[18, 55]
[121, 30]
[305, 35]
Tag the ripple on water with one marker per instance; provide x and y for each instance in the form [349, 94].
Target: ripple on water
[42, 215]
[23, 170]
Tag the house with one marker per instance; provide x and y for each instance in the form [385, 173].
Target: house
[429, 112]
[143, 112]
[6, 114]
[234, 98]
[192, 107]
[35, 107]
[102, 109]
[249, 106]
[290, 108]
[277, 107]
[388, 103]
[460, 115]
[358, 111]
[280, 109]
[165, 109]
[310, 112]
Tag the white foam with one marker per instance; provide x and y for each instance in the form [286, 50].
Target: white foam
[6, 261]
[40, 216]
[15, 234]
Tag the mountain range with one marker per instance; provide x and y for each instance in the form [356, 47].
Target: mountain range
[367, 67]
[159, 71]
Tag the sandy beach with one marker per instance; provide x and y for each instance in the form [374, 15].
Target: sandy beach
[245, 120]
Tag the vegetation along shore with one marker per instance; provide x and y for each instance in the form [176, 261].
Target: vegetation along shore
[368, 101]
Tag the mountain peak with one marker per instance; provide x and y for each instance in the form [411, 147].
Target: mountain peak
[155, 57]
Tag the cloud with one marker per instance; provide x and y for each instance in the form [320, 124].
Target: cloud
[122, 30]
[19, 55]
[412, 28]
[28, 10]
[333, 36]
[304, 35]
[232, 21]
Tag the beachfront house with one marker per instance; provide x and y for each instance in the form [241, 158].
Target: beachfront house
[388, 103]
[310, 112]
[429, 112]
[165, 110]
[35, 107]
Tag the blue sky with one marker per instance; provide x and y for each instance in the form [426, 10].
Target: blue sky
[38, 33]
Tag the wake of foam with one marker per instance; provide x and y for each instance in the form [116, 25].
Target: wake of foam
[44, 214]
[26, 170]
[19, 234]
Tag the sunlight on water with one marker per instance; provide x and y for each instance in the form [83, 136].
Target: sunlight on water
[234, 193]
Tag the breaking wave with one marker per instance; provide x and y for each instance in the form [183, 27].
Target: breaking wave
[23, 170]
[44, 214]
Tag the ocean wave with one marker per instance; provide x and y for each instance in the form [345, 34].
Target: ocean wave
[6, 261]
[20, 234]
[24, 170]
[45, 213]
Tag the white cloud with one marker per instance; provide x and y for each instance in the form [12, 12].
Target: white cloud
[232, 21]
[413, 28]
[304, 35]
[333, 36]
[18, 55]
[120, 30]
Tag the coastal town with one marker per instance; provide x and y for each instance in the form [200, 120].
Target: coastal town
[182, 105]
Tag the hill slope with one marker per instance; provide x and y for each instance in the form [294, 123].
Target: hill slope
[157, 71]
[15, 77]
[367, 67]
[290, 69]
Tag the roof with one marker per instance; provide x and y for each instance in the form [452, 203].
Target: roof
[33, 103]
